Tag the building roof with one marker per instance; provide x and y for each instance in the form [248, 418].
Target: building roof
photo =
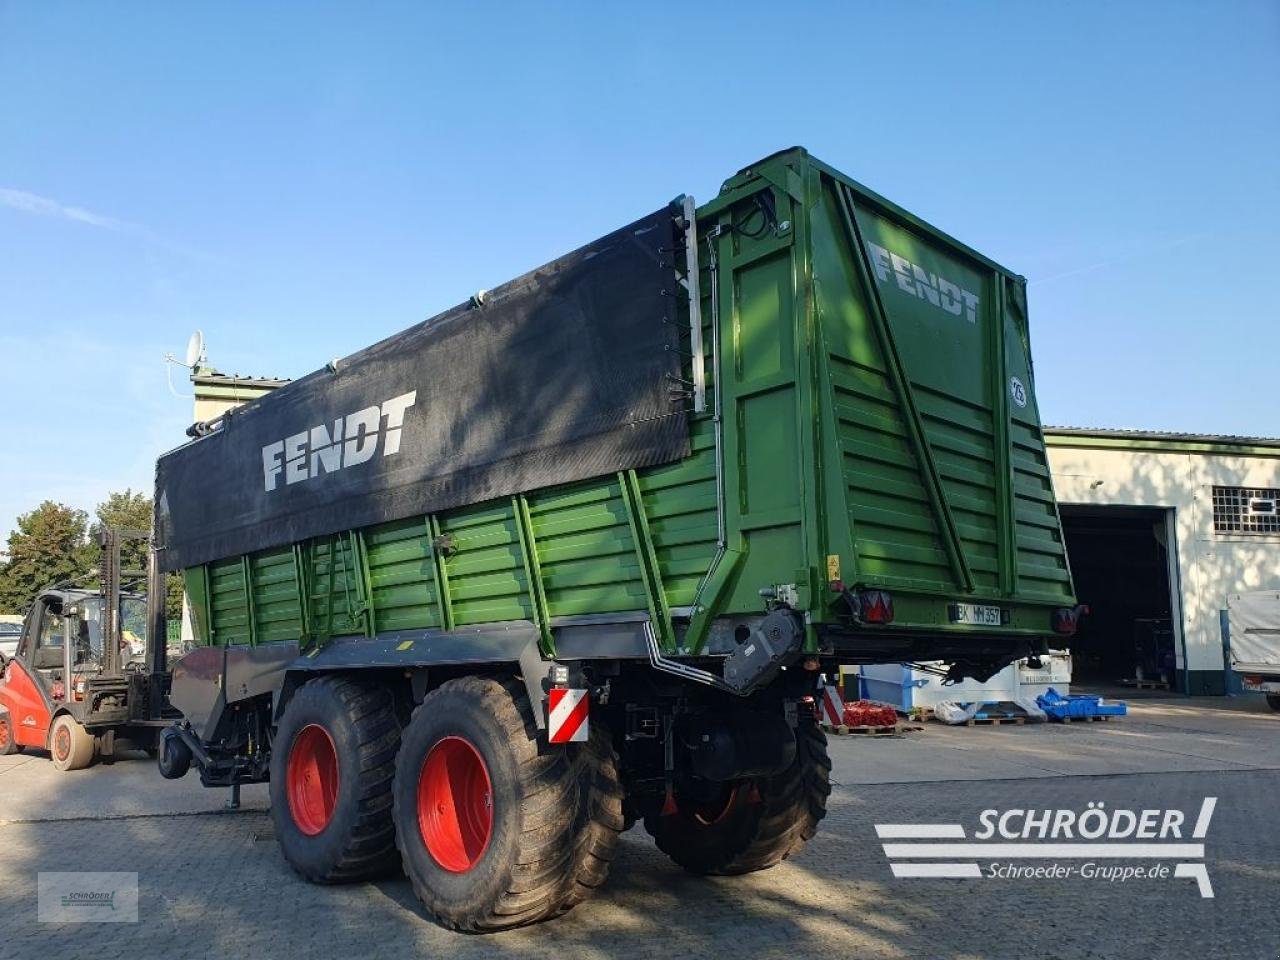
[211, 385]
[1162, 440]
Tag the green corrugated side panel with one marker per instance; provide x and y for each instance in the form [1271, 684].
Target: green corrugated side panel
[487, 579]
[277, 611]
[229, 601]
[680, 502]
[402, 574]
[585, 550]
[333, 587]
[581, 535]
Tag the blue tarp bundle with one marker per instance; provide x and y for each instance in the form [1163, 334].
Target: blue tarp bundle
[1060, 707]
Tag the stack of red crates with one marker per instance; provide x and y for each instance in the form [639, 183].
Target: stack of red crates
[868, 713]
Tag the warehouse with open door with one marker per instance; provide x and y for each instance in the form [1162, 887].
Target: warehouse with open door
[1122, 564]
[1160, 530]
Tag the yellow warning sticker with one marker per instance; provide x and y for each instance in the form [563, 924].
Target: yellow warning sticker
[833, 567]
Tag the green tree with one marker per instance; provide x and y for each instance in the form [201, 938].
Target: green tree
[126, 510]
[49, 545]
[174, 590]
[55, 542]
[132, 510]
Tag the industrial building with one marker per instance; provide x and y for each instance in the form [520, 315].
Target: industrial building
[1162, 529]
[215, 393]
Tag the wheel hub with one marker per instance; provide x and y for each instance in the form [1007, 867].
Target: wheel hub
[455, 804]
[311, 779]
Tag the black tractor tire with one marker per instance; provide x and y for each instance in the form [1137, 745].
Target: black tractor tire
[534, 824]
[598, 838]
[8, 745]
[759, 823]
[1273, 701]
[332, 767]
[71, 746]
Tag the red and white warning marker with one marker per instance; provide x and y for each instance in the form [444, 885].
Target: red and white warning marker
[567, 716]
[832, 705]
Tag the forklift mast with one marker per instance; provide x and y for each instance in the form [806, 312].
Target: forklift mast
[157, 634]
[113, 576]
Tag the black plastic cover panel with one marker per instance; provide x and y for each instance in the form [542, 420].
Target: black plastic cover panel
[558, 376]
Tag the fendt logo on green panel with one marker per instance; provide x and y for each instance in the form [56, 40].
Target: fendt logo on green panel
[913, 279]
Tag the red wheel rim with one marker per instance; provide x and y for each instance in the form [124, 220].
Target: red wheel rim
[455, 804]
[62, 743]
[311, 779]
[4, 735]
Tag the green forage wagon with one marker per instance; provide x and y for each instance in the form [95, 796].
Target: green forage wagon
[586, 549]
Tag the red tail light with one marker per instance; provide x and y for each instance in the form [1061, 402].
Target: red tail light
[876, 606]
[1066, 619]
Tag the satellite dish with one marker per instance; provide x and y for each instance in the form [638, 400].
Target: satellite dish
[195, 349]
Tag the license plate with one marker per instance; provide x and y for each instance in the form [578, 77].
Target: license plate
[976, 614]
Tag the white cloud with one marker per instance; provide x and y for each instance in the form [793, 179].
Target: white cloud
[44, 207]
[32, 203]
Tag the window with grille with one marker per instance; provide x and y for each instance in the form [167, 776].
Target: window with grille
[1246, 510]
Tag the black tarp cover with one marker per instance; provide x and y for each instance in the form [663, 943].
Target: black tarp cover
[557, 376]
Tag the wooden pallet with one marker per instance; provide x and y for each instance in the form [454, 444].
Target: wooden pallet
[917, 713]
[993, 721]
[1090, 719]
[1145, 684]
[844, 731]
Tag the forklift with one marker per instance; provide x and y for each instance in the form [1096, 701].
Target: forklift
[89, 674]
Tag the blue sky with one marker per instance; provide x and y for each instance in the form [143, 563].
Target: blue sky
[299, 180]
